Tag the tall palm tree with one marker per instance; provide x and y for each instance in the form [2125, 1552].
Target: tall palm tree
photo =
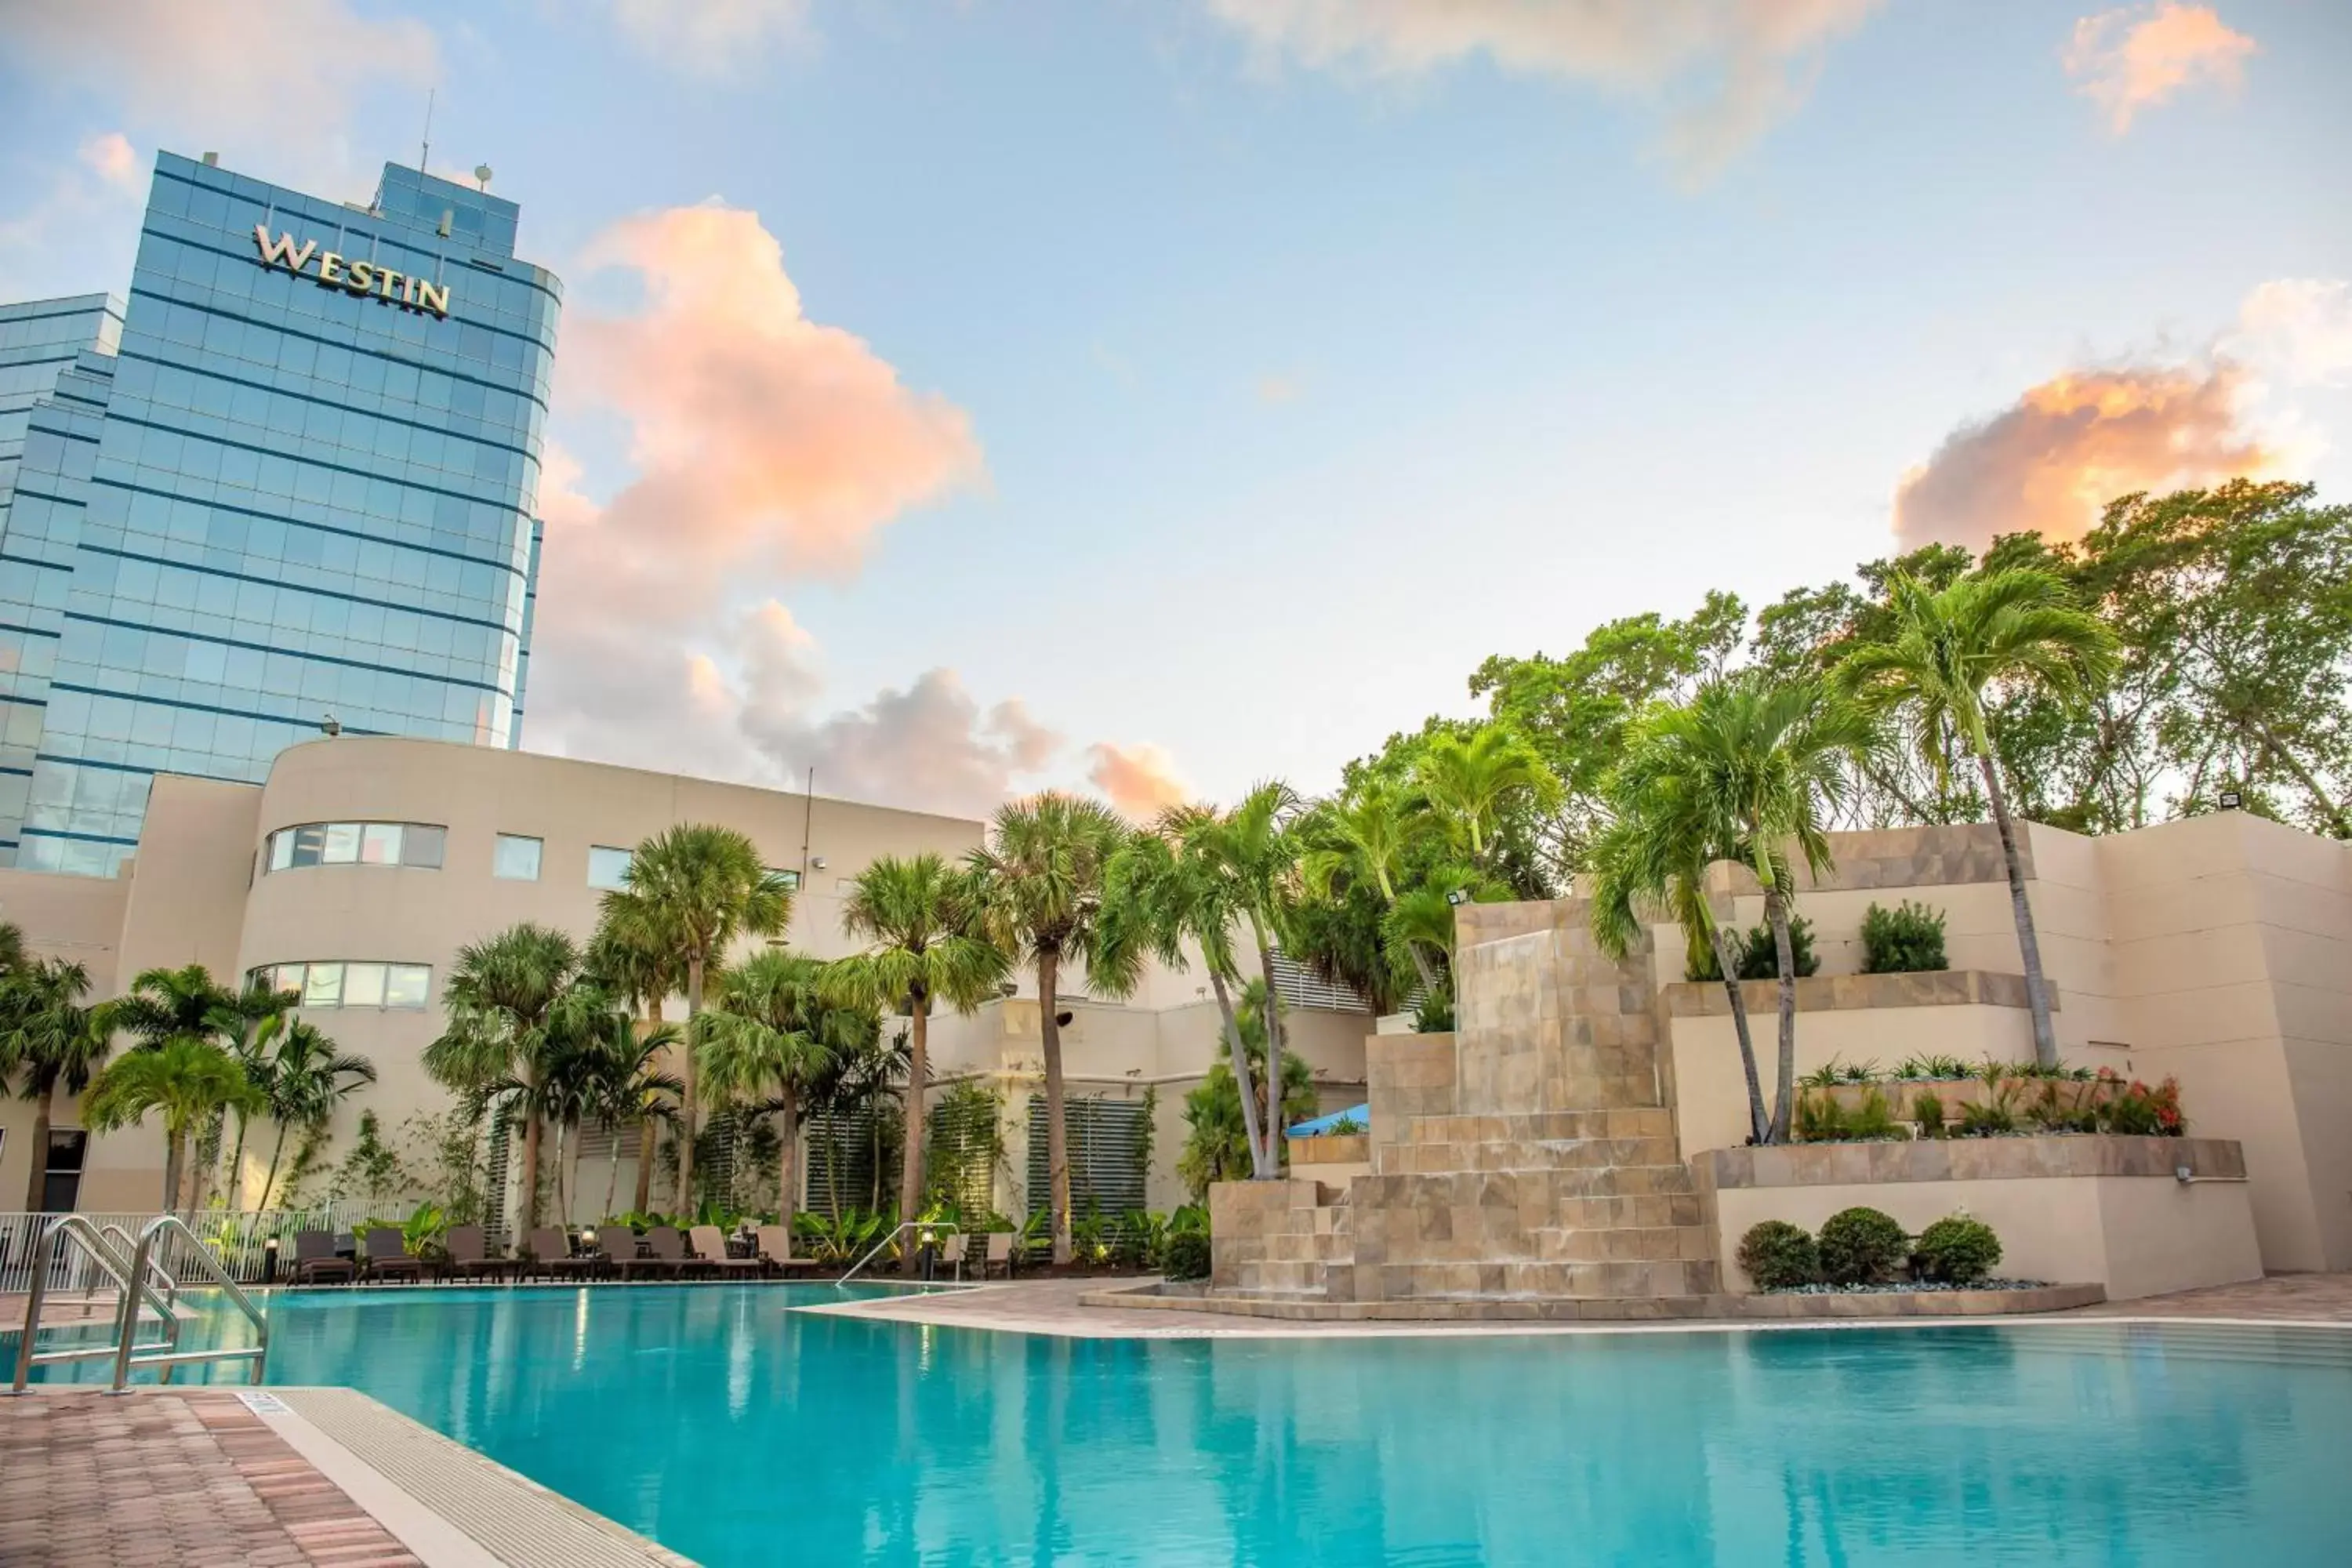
[918, 917]
[1254, 848]
[1472, 783]
[1743, 770]
[645, 973]
[1640, 865]
[1041, 879]
[252, 1029]
[51, 1038]
[1363, 837]
[773, 1034]
[167, 1004]
[307, 1076]
[697, 888]
[504, 997]
[626, 1081]
[1168, 888]
[187, 1079]
[1951, 653]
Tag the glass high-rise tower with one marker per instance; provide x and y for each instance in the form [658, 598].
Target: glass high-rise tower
[290, 487]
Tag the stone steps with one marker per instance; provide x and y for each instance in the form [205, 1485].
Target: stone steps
[1524, 1154]
[1646, 1280]
[1634, 1121]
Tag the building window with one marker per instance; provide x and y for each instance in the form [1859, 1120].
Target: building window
[415, 843]
[791, 879]
[516, 858]
[607, 867]
[348, 984]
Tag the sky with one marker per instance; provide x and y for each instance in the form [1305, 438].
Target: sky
[1147, 397]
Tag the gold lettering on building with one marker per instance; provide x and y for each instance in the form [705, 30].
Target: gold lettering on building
[358, 277]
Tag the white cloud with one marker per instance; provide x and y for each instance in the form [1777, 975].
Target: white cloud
[715, 39]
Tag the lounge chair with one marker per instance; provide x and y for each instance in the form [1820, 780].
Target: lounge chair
[951, 1252]
[999, 1254]
[388, 1256]
[316, 1261]
[776, 1253]
[469, 1255]
[664, 1254]
[550, 1255]
[711, 1252]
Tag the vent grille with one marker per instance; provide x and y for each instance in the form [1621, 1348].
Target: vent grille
[1105, 1148]
[1300, 986]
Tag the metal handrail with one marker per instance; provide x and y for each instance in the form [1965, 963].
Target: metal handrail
[931, 1227]
[73, 1227]
[257, 1352]
[125, 1248]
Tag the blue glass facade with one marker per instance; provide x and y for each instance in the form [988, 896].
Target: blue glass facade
[288, 492]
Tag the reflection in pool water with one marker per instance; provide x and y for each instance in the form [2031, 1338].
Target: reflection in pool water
[737, 1431]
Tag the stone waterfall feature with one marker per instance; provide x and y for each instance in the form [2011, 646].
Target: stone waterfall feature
[1523, 1166]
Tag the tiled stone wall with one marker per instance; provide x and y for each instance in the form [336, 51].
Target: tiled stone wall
[1832, 993]
[1546, 1021]
[1935, 856]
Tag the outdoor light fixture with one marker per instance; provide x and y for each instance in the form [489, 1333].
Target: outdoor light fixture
[1458, 895]
[2183, 1174]
[2232, 800]
[588, 1238]
[269, 1261]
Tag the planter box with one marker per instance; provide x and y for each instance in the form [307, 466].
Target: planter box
[2074, 1094]
[1332, 1149]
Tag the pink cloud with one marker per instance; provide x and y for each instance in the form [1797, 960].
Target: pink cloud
[113, 160]
[709, 37]
[2053, 458]
[1140, 781]
[1727, 69]
[2135, 58]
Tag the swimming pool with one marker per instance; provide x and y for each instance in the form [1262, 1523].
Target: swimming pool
[733, 1429]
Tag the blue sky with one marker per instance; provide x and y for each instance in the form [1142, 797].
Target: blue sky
[1237, 375]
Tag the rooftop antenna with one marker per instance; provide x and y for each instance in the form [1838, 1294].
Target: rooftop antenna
[424, 153]
[482, 175]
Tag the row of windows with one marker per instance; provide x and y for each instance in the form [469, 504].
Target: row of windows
[343, 984]
[357, 844]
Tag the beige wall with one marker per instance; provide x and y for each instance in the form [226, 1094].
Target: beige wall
[79, 920]
[2139, 1235]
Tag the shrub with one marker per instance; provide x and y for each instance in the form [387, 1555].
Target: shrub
[1957, 1251]
[1936, 1069]
[1861, 1246]
[1819, 1119]
[2148, 1112]
[1927, 1111]
[1996, 1115]
[1434, 1015]
[1904, 940]
[1873, 1118]
[1779, 1256]
[1759, 959]
[1184, 1255]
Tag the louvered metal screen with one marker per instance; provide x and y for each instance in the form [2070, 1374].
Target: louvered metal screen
[1105, 1140]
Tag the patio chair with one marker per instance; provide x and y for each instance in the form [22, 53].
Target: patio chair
[388, 1257]
[711, 1252]
[664, 1254]
[951, 1252]
[469, 1254]
[776, 1253]
[999, 1254]
[550, 1256]
[316, 1261]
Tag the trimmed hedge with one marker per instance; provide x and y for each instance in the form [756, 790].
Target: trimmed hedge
[1779, 1256]
[1957, 1250]
[1906, 939]
[1862, 1246]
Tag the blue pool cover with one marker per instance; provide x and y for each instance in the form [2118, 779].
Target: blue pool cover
[1361, 1115]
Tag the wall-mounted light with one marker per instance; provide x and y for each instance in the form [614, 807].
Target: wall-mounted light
[2232, 800]
[1459, 895]
[816, 862]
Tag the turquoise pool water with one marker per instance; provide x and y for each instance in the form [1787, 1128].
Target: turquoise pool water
[738, 1431]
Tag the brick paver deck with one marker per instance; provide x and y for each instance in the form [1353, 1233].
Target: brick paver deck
[2281, 1299]
[168, 1477]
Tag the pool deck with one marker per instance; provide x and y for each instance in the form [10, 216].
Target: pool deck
[1057, 1306]
[273, 1478]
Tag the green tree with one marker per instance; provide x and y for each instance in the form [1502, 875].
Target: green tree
[918, 919]
[50, 1038]
[167, 1004]
[505, 998]
[1365, 839]
[1742, 771]
[187, 1079]
[1217, 1142]
[1949, 652]
[1473, 782]
[769, 1041]
[306, 1076]
[1040, 881]
[252, 1030]
[698, 889]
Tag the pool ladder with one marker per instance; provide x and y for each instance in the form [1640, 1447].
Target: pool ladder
[135, 1268]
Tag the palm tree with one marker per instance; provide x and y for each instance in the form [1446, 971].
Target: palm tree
[1255, 850]
[51, 1039]
[627, 1082]
[696, 888]
[306, 1077]
[504, 997]
[1177, 884]
[1739, 771]
[252, 1028]
[186, 1078]
[1363, 837]
[1987, 636]
[858, 1088]
[1472, 783]
[917, 916]
[167, 1004]
[772, 1032]
[1041, 879]
[645, 973]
